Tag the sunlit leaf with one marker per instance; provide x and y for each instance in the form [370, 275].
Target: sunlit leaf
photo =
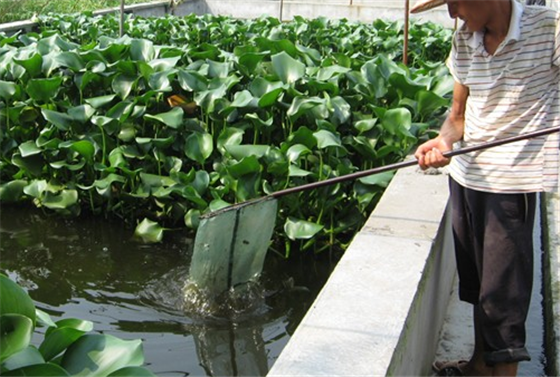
[24, 358]
[381, 179]
[172, 118]
[149, 231]
[287, 68]
[7, 89]
[15, 331]
[101, 355]
[62, 121]
[199, 146]
[301, 229]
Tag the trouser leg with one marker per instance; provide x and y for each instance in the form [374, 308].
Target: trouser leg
[493, 236]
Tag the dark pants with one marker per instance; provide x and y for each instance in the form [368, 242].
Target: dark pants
[493, 236]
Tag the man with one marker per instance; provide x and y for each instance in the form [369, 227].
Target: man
[505, 61]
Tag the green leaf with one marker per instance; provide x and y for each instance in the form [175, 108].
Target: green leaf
[192, 218]
[59, 339]
[313, 107]
[101, 355]
[15, 334]
[240, 151]
[26, 357]
[172, 118]
[44, 90]
[44, 319]
[295, 171]
[296, 151]
[32, 164]
[242, 99]
[199, 146]
[122, 85]
[149, 231]
[248, 165]
[7, 89]
[81, 113]
[32, 65]
[62, 201]
[85, 148]
[365, 125]
[381, 179]
[142, 50]
[300, 229]
[12, 191]
[132, 372]
[15, 300]
[428, 102]
[192, 81]
[396, 119]
[70, 59]
[229, 136]
[29, 148]
[98, 102]
[327, 139]
[43, 370]
[62, 121]
[287, 68]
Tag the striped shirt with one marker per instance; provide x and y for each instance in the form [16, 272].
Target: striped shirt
[513, 91]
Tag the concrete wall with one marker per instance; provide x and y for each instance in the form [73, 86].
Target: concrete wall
[551, 272]
[381, 310]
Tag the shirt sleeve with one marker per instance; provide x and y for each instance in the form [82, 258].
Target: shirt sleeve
[451, 61]
[556, 52]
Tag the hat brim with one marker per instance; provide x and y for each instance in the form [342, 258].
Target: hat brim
[424, 5]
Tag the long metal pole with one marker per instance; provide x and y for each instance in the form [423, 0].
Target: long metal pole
[121, 24]
[381, 169]
[405, 44]
[281, 9]
[413, 162]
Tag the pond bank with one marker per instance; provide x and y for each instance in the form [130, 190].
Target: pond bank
[381, 311]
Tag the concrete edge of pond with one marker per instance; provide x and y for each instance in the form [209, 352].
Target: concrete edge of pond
[381, 310]
[551, 273]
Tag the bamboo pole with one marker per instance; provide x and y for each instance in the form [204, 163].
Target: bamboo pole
[405, 42]
[281, 9]
[121, 23]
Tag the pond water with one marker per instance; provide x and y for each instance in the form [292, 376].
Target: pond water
[90, 268]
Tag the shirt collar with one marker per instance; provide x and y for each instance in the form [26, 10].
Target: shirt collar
[514, 31]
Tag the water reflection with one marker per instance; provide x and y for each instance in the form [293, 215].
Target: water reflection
[231, 351]
[89, 268]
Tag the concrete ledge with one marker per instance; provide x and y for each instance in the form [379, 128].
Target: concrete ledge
[387, 298]
[551, 272]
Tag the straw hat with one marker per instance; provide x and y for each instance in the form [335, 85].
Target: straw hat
[423, 5]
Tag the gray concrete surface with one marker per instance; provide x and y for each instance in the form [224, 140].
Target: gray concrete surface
[551, 270]
[381, 310]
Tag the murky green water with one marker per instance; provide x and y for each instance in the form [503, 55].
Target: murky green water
[89, 268]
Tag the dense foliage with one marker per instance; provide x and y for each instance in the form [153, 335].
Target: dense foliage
[186, 115]
[17, 10]
[68, 347]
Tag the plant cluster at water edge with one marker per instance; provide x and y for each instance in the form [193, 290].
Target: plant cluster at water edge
[69, 346]
[182, 116]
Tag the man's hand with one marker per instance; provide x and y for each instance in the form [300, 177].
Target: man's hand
[430, 154]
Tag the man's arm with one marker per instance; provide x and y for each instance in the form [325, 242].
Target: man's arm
[430, 154]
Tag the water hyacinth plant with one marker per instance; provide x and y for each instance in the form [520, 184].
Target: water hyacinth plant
[68, 348]
[182, 116]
